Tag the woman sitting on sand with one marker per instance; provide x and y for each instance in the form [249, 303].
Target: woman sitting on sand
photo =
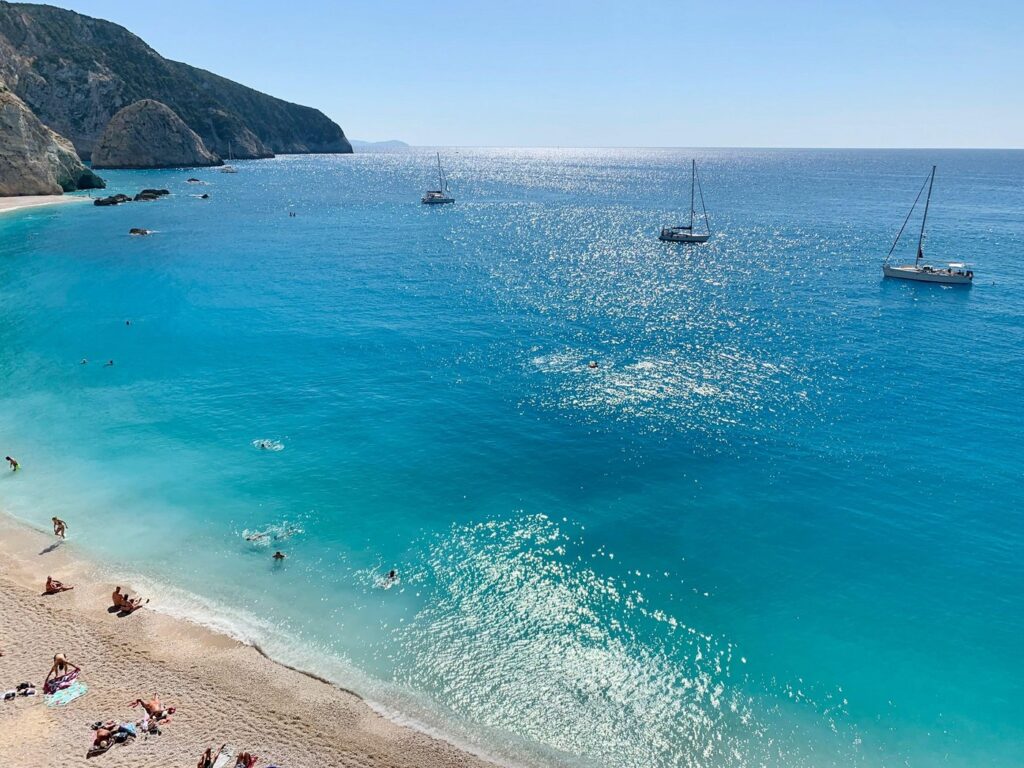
[245, 760]
[53, 586]
[126, 604]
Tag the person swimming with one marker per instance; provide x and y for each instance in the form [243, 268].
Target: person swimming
[279, 556]
[85, 361]
[109, 364]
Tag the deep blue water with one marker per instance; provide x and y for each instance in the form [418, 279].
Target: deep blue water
[780, 524]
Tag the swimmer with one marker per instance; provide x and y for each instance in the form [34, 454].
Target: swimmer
[109, 364]
[388, 581]
[60, 528]
[127, 322]
[279, 556]
[13, 462]
[256, 537]
[592, 364]
[85, 361]
[287, 533]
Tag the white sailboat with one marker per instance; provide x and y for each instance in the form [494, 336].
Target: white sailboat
[955, 272]
[685, 233]
[229, 168]
[442, 194]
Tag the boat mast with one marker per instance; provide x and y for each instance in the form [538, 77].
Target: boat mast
[440, 176]
[693, 177]
[920, 240]
[707, 221]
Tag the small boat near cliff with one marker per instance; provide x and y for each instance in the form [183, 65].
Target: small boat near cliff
[229, 168]
[955, 272]
[684, 233]
[442, 194]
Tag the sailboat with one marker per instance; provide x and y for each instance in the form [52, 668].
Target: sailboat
[229, 168]
[685, 233]
[442, 194]
[955, 273]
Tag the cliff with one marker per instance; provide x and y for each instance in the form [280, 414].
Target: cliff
[75, 72]
[147, 134]
[33, 159]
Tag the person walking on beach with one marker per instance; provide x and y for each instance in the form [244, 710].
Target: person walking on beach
[13, 462]
[60, 528]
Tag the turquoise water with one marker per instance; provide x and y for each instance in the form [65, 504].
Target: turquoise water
[778, 525]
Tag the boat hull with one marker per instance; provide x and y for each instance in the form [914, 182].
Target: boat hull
[437, 200]
[918, 274]
[674, 236]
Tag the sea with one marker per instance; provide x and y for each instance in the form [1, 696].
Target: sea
[739, 504]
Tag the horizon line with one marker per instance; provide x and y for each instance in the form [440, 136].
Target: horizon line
[681, 146]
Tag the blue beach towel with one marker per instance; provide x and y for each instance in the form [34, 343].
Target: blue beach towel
[67, 695]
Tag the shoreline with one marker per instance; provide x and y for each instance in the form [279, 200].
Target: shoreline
[21, 202]
[225, 690]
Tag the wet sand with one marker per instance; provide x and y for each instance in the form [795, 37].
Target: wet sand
[224, 691]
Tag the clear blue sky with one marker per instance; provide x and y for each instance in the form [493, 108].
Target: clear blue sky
[640, 73]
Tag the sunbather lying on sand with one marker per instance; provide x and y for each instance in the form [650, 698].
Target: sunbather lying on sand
[108, 734]
[209, 757]
[53, 586]
[155, 709]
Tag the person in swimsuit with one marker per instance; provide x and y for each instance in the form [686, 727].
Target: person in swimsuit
[61, 667]
[13, 462]
[155, 709]
[60, 528]
[279, 556]
[53, 586]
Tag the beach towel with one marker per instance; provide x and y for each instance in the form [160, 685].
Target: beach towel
[65, 696]
[52, 686]
[223, 757]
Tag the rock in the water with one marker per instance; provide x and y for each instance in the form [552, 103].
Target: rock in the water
[33, 159]
[151, 194]
[112, 200]
[147, 134]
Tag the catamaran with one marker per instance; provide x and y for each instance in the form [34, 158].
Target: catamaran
[685, 233]
[955, 273]
[441, 194]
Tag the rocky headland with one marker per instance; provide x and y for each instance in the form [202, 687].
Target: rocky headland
[147, 134]
[83, 88]
[33, 159]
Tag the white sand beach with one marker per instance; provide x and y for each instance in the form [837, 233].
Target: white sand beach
[34, 201]
[223, 691]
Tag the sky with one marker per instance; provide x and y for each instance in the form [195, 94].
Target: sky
[726, 73]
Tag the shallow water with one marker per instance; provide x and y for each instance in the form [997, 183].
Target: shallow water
[778, 524]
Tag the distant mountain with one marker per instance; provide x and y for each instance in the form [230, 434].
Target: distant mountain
[75, 72]
[392, 144]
